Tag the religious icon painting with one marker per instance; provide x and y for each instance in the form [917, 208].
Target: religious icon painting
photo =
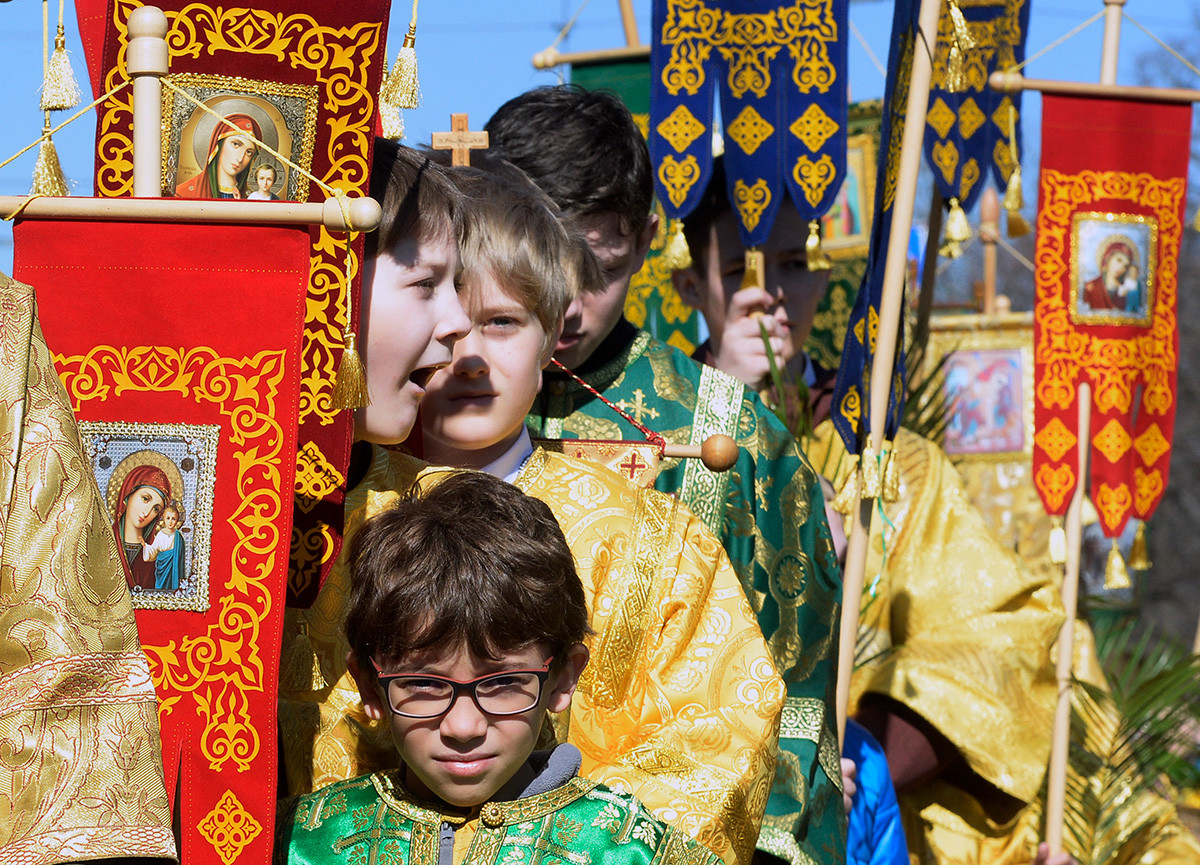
[987, 385]
[157, 480]
[1113, 261]
[204, 157]
[846, 226]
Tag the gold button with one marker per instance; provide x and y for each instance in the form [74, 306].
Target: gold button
[492, 814]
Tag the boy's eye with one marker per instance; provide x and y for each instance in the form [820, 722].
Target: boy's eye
[421, 686]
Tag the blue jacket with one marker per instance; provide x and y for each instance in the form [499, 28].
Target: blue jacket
[876, 835]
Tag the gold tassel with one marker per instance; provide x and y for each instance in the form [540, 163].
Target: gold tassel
[755, 275]
[891, 477]
[48, 176]
[814, 255]
[1014, 196]
[845, 502]
[59, 90]
[392, 121]
[1017, 226]
[675, 254]
[350, 386]
[956, 57]
[872, 483]
[1196, 221]
[950, 249]
[401, 88]
[1115, 574]
[1058, 541]
[1139, 558]
[300, 668]
[958, 229]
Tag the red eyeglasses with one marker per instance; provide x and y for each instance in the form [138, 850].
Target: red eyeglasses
[508, 693]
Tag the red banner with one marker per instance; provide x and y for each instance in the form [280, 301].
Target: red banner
[180, 350]
[1112, 191]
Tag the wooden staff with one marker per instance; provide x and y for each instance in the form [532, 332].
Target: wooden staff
[147, 61]
[885, 349]
[1061, 736]
[989, 233]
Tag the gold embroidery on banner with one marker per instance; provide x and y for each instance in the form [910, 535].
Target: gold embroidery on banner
[1055, 483]
[1151, 444]
[813, 127]
[1112, 440]
[680, 128]
[220, 666]
[316, 477]
[896, 133]
[1055, 439]
[994, 38]
[678, 177]
[749, 130]
[970, 118]
[229, 827]
[970, 175]
[945, 157]
[340, 59]
[814, 177]
[1000, 117]
[1002, 157]
[1112, 503]
[852, 406]
[1148, 487]
[751, 200]
[749, 42]
[941, 117]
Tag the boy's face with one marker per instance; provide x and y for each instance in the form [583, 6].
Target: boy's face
[266, 179]
[169, 521]
[591, 317]
[793, 290]
[474, 409]
[410, 321]
[464, 757]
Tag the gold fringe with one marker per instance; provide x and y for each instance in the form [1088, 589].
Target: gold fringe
[59, 89]
[350, 385]
[1017, 226]
[755, 275]
[814, 255]
[958, 229]
[872, 483]
[845, 501]
[1139, 558]
[1115, 574]
[1058, 541]
[956, 57]
[392, 121]
[675, 254]
[401, 87]
[891, 477]
[300, 668]
[48, 176]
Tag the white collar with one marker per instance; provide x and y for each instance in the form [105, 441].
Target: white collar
[509, 464]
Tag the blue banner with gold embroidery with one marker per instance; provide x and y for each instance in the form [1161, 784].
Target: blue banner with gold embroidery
[851, 395]
[969, 127]
[780, 69]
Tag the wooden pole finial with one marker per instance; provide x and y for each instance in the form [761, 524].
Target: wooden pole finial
[460, 141]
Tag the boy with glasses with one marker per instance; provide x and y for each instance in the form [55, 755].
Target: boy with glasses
[453, 642]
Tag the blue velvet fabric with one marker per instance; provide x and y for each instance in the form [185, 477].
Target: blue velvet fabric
[876, 836]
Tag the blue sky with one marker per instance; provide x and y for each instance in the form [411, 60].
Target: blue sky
[475, 54]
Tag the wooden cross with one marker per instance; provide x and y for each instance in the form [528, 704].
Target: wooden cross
[459, 140]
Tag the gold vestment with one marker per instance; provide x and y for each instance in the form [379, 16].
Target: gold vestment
[680, 702]
[80, 762]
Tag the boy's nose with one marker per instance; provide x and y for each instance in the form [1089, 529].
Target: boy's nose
[464, 721]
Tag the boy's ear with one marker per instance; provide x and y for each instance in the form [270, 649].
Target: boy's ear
[368, 689]
[562, 683]
[645, 238]
[689, 285]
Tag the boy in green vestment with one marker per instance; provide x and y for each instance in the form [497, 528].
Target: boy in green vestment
[466, 620]
[584, 149]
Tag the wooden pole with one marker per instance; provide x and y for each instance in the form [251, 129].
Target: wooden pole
[1061, 737]
[147, 59]
[1011, 82]
[885, 348]
[629, 22]
[989, 233]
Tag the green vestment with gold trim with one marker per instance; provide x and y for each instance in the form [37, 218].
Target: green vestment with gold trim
[373, 820]
[769, 513]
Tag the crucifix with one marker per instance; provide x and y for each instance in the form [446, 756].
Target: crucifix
[460, 141]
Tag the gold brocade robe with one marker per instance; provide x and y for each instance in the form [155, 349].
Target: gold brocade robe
[80, 763]
[680, 702]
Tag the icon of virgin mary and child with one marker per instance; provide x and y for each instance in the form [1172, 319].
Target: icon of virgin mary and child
[147, 521]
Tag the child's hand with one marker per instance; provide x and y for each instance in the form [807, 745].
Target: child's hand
[850, 783]
[742, 353]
